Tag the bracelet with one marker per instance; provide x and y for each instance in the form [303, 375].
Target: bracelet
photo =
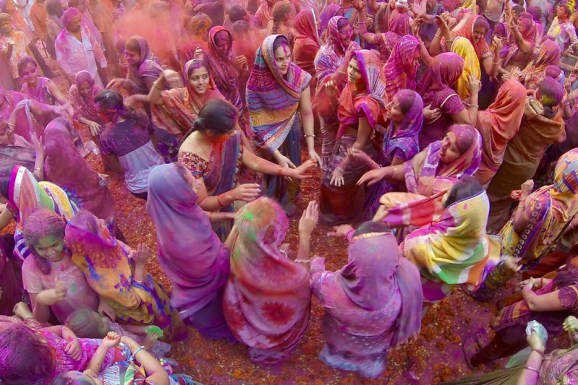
[532, 369]
[309, 135]
[302, 261]
[219, 201]
[137, 351]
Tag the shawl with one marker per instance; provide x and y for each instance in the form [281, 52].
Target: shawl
[455, 249]
[549, 54]
[180, 106]
[185, 238]
[273, 99]
[148, 66]
[223, 68]
[65, 166]
[444, 73]
[464, 48]
[404, 137]
[368, 104]
[425, 172]
[366, 295]
[307, 41]
[401, 67]
[467, 31]
[267, 297]
[498, 125]
[84, 107]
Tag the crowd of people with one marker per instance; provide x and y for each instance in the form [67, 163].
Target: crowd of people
[446, 134]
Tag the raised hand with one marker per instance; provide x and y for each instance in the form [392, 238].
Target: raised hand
[309, 219]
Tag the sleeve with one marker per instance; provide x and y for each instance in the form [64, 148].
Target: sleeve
[30, 276]
[62, 54]
[569, 297]
[98, 54]
[105, 146]
[453, 105]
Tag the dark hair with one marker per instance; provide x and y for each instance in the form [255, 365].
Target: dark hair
[236, 13]
[24, 62]
[218, 116]
[466, 187]
[53, 7]
[280, 41]
[5, 173]
[240, 27]
[112, 100]
[280, 11]
[371, 227]
[132, 45]
[85, 323]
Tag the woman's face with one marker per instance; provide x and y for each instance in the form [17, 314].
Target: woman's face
[132, 57]
[84, 89]
[449, 150]
[479, 33]
[561, 12]
[50, 248]
[30, 73]
[353, 72]
[395, 113]
[199, 80]
[222, 42]
[345, 34]
[283, 58]
[6, 135]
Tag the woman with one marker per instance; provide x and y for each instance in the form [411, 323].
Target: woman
[437, 93]
[541, 126]
[359, 113]
[519, 55]
[143, 67]
[331, 65]
[25, 195]
[214, 153]
[307, 42]
[126, 137]
[117, 273]
[372, 304]
[197, 293]
[82, 94]
[465, 49]
[533, 74]
[198, 30]
[400, 69]
[226, 66]
[267, 297]
[276, 92]
[433, 171]
[498, 125]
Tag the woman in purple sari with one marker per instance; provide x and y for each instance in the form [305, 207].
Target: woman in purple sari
[372, 304]
[186, 239]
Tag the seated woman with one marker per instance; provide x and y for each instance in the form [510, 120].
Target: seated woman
[55, 285]
[556, 367]
[14, 149]
[213, 150]
[372, 304]
[540, 219]
[359, 113]
[554, 300]
[10, 276]
[127, 137]
[267, 297]
[433, 171]
[109, 264]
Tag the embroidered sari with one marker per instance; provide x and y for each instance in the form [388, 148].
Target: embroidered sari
[267, 297]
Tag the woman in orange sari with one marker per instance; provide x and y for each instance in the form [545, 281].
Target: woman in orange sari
[307, 42]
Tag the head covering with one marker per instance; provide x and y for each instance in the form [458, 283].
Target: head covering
[445, 72]
[333, 36]
[267, 298]
[549, 54]
[306, 26]
[464, 48]
[498, 125]
[565, 187]
[64, 166]
[467, 30]
[223, 67]
[555, 73]
[144, 50]
[404, 137]
[401, 67]
[185, 238]
[84, 106]
[399, 22]
[273, 99]
[68, 15]
[328, 12]
[368, 103]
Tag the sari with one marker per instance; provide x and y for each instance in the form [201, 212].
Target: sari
[521, 159]
[437, 92]
[185, 238]
[513, 56]
[148, 67]
[498, 125]
[224, 71]
[307, 41]
[84, 107]
[465, 49]
[385, 43]
[400, 22]
[64, 166]
[467, 30]
[401, 68]
[342, 204]
[549, 54]
[267, 297]
[108, 270]
[273, 102]
[26, 195]
[372, 304]
[328, 12]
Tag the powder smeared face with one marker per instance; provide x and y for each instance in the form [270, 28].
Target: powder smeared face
[449, 150]
[50, 248]
[222, 42]
[353, 72]
[6, 134]
[30, 73]
[199, 79]
[283, 58]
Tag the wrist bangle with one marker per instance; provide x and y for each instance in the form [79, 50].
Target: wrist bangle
[302, 261]
[532, 369]
[137, 351]
[221, 205]
[309, 135]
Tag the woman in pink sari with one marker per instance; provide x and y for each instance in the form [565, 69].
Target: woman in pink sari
[401, 68]
[307, 42]
[267, 297]
[533, 74]
[372, 304]
[185, 238]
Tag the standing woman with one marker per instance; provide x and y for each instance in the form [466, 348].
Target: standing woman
[276, 92]
[533, 74]
[359, 113]
[400, 69]
[307, 42]
[465, 49]
[186, 239]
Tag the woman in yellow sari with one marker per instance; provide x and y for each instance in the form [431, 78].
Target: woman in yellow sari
[465, 49]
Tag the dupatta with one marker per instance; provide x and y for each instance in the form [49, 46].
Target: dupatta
[400, 69]
[273, 99]
[368, 104]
